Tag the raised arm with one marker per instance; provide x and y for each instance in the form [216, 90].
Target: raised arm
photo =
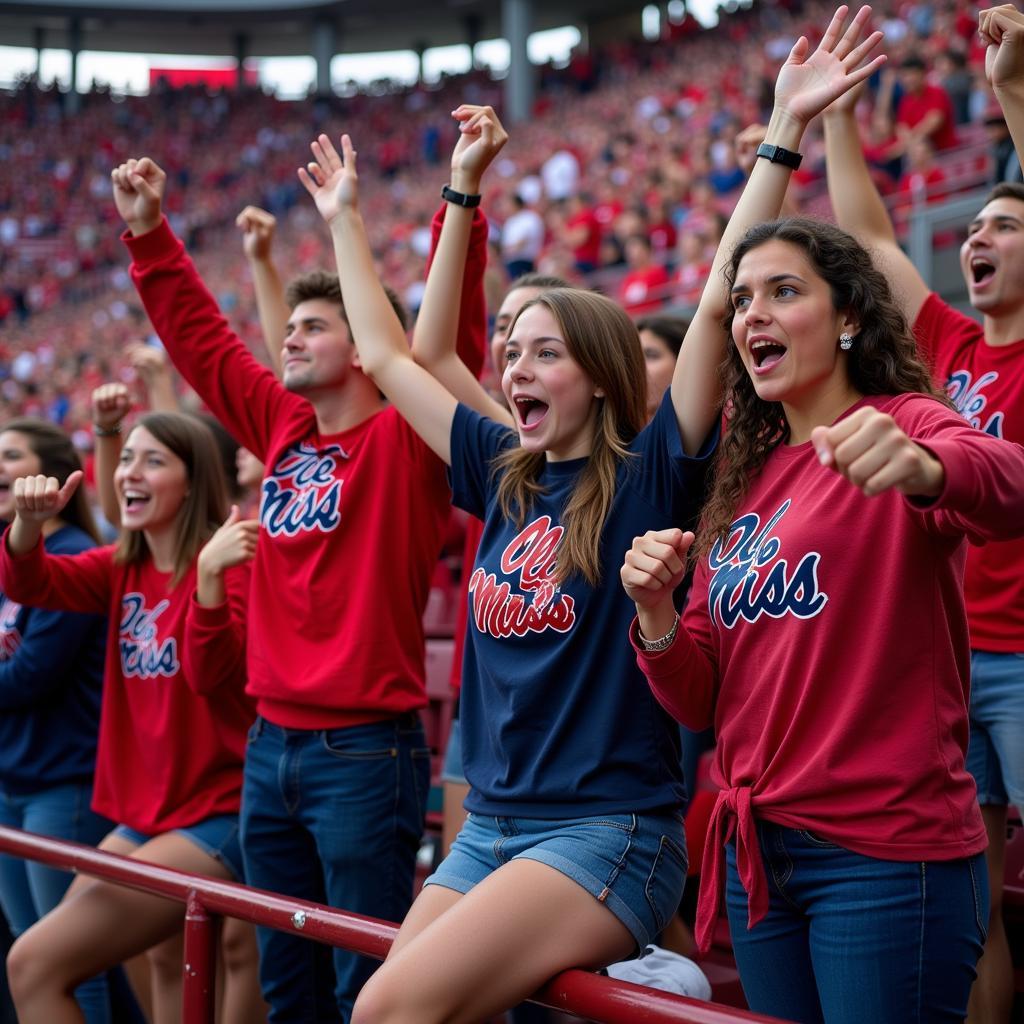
[258, 229]
[807, 83]
[154, 370]
[746, 143]
[481, 137]
[29, 575]
[859, 208]
[384, 354]
[242, 393]
[110, 405]
[1002, 28]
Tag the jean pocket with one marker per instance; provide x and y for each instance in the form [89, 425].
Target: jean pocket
[254, 731]
[664, 888]
[819, 841]
[341, 743]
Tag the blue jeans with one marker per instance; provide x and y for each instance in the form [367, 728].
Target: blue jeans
[28, 890]
[334, 816]
[850, 939]
[995, 756]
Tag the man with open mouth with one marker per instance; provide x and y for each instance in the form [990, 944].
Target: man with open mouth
[982, 366]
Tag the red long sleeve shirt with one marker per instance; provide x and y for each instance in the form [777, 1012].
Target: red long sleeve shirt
[986, 384]
[174, 715]
[827, 642]
[350, 523]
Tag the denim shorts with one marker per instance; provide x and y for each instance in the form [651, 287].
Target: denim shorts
[451, 770]
[995, 756]
[635, 864]
[216, 836]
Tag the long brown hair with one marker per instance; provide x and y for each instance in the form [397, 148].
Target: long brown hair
[604, 342]
[58, 458]
[883, 360]
[205, 504]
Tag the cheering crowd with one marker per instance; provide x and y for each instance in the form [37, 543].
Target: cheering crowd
[801, 525]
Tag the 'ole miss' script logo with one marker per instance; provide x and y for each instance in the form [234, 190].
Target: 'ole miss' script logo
[302, 493]
[500, 612]
[968, 395]
[10, 635]
[750, 579]
[143, 654]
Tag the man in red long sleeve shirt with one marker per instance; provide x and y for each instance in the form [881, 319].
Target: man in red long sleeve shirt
[982, 366]
[353, 503]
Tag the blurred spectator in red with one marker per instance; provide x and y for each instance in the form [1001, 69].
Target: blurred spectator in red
[923, 182]
[694, 266]
[645, 286]
[582, 232]
[924, 110]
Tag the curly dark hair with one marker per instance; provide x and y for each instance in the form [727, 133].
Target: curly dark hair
[883, 361]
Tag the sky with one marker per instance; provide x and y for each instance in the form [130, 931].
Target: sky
[292, 76]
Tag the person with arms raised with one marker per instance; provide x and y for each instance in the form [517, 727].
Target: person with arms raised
[337, 767]
[573, 852]
[982, 368]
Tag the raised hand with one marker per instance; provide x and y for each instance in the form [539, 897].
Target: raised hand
[331, 179]
[874, 454]
[139, 193]
[655, 566]
[847, 102]
[148, 361]
[110, 404]
[1002, 30]
[233, 544]
[38, 498]
[809, 82]
[258, 229]
[481, 138]
[746, 143]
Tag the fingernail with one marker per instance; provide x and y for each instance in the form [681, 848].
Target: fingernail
[822, 455]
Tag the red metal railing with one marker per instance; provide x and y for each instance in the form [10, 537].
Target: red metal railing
[590, 996]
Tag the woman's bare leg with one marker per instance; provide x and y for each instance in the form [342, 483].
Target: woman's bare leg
[96, 926]
[490, 949]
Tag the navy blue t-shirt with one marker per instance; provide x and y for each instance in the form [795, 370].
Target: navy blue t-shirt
[51, 682]
[557, 720]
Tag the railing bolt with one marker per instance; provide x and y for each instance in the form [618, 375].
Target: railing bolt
[299, 919]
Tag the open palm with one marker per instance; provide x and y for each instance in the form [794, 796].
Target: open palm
[331, 179]
[808, 83]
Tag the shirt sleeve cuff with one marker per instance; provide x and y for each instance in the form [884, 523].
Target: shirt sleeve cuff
[954, 492]
[215, 617]
[153, 245]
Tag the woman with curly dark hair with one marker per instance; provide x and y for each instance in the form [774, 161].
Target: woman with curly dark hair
[826, 640]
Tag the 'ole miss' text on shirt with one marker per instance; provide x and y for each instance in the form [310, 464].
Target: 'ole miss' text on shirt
[174, 715]
[826, 640]
[986, 384]
[556, 719]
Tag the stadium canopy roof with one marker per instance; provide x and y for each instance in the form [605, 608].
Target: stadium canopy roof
[265, 28]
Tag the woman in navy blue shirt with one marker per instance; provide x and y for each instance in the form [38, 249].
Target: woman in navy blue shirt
[51, 672]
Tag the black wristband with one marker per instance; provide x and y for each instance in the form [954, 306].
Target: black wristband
[778, 155]
[449, 195]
